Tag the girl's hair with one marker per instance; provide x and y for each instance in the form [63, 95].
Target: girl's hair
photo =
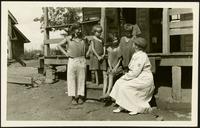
[128, 27]
[113, 37]
[96, 28]
[73, 28]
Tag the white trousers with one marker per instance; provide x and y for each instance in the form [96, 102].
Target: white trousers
[76, 71]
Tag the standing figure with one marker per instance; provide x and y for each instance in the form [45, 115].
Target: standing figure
[76, 68]
[134, 90]
[97, 58]
[114, 63]
[126, 43]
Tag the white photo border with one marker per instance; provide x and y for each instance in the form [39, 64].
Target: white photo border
[4, 21]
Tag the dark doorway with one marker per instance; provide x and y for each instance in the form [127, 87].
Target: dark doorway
[129, 15]
[155, 30]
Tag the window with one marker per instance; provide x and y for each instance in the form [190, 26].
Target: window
[175, 18]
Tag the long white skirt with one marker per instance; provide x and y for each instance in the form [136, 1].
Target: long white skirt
[133, 95]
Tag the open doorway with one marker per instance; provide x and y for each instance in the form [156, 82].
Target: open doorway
[155, 24]
[129, 15]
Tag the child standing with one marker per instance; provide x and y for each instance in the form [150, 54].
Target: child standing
[76, 68]
[126, 44]
[97, 58]
[114, 62]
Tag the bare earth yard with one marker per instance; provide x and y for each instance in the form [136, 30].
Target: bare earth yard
[49, 102]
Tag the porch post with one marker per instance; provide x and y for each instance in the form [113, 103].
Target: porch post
[166, 36]
[176, 83]
[46, 32]
[103, 22]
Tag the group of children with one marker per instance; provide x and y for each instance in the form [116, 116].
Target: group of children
[119, 56]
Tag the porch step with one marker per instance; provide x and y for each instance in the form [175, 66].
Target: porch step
[93, 91]
[90, 85]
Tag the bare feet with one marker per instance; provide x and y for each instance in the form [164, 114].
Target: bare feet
[105, 96]
[74, 100]
[81, 100]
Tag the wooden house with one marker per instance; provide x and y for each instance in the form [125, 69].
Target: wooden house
[16, 39]
[168, 32]
[169, 36]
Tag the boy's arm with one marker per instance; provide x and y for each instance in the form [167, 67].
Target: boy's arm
[59, 46]
[92, 43]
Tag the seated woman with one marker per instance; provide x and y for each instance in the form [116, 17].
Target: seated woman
[134, 90]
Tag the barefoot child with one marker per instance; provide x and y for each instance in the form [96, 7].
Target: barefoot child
[114, 61]
[97, 58]
[76, 67]
[126, 44]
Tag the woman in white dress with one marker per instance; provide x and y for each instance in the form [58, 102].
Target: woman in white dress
[134, 90]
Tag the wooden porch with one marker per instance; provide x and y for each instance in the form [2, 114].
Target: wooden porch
[175, 60]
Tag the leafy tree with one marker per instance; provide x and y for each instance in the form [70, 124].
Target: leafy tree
[60, 16]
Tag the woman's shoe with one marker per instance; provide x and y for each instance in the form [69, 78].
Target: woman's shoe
[132, 113]
[119, 109]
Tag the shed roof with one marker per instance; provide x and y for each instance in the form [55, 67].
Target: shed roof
[12, 17]
[16, 29]
[26, 40]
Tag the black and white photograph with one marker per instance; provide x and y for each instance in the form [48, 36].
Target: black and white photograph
[145, 53]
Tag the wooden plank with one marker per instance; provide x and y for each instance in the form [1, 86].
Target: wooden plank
[181, 54]
[56, 61]
[176, 83]
[90, 21]
[188, 23]
[67, 25]
[59, 60]
[165, 27]
[176, 11]
[53, 41]
[176, 62]
[57, 40]
[182, 31]
[93, 86]
[59, 26]
[46, 32]
[19, 79]
[187, 43]
[170, 54]
[55, 57]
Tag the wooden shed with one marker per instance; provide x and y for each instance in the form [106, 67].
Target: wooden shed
[16, 38]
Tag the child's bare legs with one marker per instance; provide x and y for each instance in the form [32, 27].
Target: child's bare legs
[96, 77]
[110, 84]
[105, 82]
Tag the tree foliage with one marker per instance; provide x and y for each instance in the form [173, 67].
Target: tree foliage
[60, 16]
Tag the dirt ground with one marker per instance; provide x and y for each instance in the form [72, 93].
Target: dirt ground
[50, 102]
